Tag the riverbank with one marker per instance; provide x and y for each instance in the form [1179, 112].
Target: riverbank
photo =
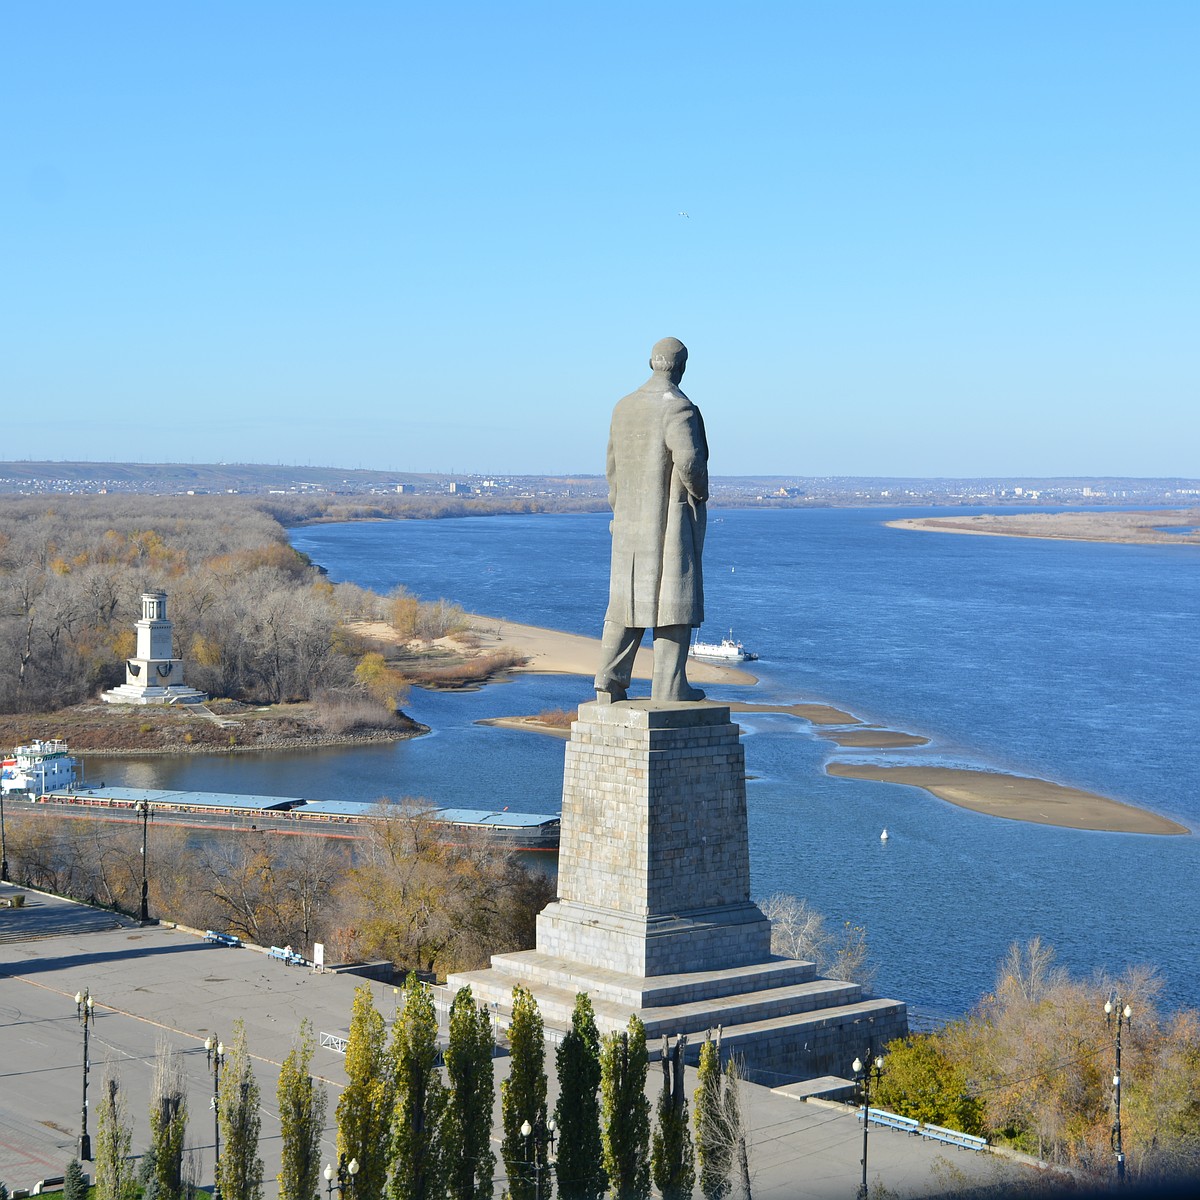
[1164, 527]
[117, 730]
[552, 652]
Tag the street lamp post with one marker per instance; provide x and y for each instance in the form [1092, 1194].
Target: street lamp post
[83, 1012]
[344, 1175]
[862, 1077]
[215, 1049]
[539, 1137]
[3, 843]
[1123, 1015]
[144, 809]
[351, 1171]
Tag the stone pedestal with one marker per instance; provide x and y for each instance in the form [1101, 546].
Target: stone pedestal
[654, 861]
[653, 914]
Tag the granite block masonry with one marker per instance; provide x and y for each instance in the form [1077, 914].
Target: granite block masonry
[654, 858]
[654, 915]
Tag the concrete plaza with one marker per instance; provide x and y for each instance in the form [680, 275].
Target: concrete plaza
[159, 984]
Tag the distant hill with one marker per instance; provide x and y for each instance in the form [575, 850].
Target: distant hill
[209, 477]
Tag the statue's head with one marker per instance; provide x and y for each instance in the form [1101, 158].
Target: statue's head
[669, 357]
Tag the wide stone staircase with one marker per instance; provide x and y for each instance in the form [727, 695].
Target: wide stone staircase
[778, 1016]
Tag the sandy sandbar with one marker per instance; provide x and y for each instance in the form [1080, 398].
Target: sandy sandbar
[1017, 798]
[868, 737]
[1178, 527]
[552, 652]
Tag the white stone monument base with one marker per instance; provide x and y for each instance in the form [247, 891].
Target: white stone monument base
[654, 914]
[130, 693]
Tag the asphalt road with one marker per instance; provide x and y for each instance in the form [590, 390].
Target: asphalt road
[162, 985]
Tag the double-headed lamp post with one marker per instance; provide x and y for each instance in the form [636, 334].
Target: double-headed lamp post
[144, 809]
[215, 1049]
[1115, 1011]
[83, 1012]
[862, 1076]
[538, 1137]
[345, 1171]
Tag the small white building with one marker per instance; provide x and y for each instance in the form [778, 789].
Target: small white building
[153, 675]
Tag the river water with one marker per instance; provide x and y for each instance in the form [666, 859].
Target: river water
[1074, 662]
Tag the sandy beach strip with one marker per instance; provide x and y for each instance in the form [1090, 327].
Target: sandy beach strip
[552, 652]
[1016, 798]
[1161, 528]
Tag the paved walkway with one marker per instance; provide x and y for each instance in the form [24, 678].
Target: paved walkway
[161, 984]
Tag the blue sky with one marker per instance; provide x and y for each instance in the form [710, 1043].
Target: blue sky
[921, 238]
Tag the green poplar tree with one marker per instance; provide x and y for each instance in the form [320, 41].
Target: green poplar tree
[713, 1146]
[240, 1171]
[624, 1062]
[672, 1158]
[470, 1162]
[364, 1112]
[420, 1099]
[168, 1124]
[116, 1178]
[302, 1105]
[580, 1169]
[523, 1096]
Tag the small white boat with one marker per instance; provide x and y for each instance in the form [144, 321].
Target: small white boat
[726, 650]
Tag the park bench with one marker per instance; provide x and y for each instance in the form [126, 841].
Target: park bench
[223, 939]
[53, 1184]
[880, 1116]
[286, 955]
[952, 1137]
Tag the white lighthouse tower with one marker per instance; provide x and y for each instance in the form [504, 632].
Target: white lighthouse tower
[153, 675]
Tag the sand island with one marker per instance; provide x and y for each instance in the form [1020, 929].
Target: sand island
[1163, 527]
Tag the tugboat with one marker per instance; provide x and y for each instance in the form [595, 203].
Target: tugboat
[37, 768]
[726, 650]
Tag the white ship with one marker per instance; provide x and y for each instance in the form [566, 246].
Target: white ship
[726, 650]
[38, 768]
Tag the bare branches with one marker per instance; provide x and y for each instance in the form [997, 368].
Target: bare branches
[799, 931]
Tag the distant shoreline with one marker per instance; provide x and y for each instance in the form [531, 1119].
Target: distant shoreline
[1127, 528]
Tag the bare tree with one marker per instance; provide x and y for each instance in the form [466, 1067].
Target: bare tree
[799, 931]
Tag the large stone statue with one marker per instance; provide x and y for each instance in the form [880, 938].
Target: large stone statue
[658, 488]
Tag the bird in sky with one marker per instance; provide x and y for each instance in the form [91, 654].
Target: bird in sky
[683, 214]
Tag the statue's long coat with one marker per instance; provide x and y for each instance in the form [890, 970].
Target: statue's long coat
[658, 488]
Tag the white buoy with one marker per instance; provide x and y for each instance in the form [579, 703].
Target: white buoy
[883, 836]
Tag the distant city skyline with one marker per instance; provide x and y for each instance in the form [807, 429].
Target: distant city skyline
[905, 241]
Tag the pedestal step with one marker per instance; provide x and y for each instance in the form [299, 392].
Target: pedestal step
[637, 992]
[759, 996]
[794, 1030]
[804, 1046]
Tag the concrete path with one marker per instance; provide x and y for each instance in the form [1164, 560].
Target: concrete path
[165, 984]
